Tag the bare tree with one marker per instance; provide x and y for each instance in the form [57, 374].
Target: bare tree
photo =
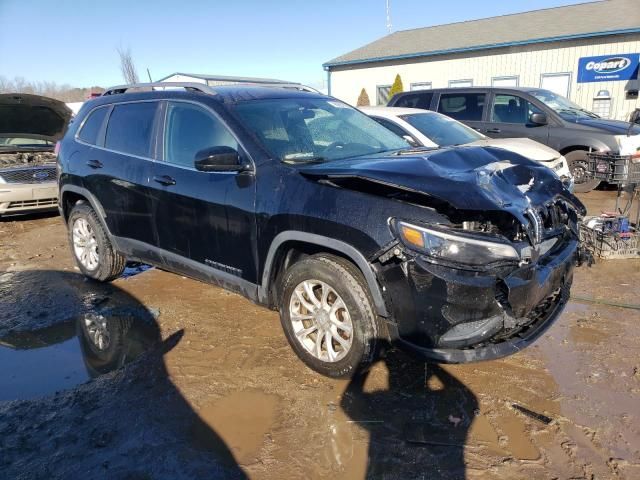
[127, 67]
[64, 92]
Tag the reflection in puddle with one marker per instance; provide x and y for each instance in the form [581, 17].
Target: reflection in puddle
[133, 269]
[38, 363]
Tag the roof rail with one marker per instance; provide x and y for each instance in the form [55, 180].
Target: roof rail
[201, 87]
[192, 86]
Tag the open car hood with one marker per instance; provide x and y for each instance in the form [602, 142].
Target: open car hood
[467, 178]
[33, 116]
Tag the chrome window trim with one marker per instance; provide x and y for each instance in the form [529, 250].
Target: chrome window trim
[160, 151]
[111, 106]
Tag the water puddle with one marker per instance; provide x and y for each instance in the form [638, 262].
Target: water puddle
[37, 363]
[133, 269]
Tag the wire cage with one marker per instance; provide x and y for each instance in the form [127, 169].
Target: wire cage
[615, 169]
[609, 244]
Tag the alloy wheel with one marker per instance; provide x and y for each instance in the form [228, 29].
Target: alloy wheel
[321, 321]
[85, 244]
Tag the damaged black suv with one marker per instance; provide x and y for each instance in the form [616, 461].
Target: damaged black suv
[305, 205]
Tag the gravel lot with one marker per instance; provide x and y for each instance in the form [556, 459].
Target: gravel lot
[214, 391]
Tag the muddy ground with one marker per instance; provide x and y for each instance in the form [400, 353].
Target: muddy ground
[213, 390]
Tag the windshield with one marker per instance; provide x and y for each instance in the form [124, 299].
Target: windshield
[562, 106]
[442, 130]
[24, 142]
[301, 130]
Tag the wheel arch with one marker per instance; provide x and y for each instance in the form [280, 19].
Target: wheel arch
[289, 246]
[71, 194]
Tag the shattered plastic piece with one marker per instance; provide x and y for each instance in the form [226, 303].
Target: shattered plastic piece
[530, 413]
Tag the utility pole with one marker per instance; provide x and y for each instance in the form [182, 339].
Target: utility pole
[388, 17]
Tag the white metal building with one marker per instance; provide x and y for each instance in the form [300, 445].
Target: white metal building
[588, 52]
[215, 80]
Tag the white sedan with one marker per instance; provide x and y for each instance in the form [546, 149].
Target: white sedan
[424, 128]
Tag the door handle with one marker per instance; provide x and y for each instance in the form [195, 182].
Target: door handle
[95, 163]
[493, 130]
[165, 180]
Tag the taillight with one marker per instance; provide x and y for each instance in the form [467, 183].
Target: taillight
[56, 149]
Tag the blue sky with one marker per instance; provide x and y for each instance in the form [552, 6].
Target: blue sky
[75, 42]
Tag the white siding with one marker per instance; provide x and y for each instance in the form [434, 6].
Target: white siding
[528, 63]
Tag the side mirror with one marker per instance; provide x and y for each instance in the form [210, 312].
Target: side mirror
[218, 159]
[538, 119]
[635, 116]
[411, 141]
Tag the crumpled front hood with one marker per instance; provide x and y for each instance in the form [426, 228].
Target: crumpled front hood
[523, 146]
[33, 116]
[467, 178]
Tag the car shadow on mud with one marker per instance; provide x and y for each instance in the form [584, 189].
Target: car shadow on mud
[421, 420]
[85, 389]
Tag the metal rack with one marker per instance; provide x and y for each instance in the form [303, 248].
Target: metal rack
[620, 170]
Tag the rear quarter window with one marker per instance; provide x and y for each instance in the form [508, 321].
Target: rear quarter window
[130, 128]
[415, 100]
[92, 126]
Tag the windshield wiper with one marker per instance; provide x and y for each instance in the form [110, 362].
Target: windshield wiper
[414, 150]
[303, 160]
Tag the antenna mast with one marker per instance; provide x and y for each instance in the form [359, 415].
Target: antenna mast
[388, 17]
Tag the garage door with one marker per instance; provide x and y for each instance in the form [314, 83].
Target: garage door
[556, 82]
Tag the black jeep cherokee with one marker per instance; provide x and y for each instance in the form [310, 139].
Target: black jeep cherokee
[303, 204]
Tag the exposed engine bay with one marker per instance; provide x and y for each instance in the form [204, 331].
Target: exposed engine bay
[26, 159]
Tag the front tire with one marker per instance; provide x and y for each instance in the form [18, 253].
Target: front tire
[90, 245]
[327, 315]
[579, 166]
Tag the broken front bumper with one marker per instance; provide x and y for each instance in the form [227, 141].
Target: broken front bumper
[451, 315]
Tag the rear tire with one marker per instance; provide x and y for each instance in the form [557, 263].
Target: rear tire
[327, 315]
[579, 166]
[90, 245]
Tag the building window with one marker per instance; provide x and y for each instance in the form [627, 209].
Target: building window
[505, 82]
[460, 83]
[556, 82]
[382, 96]
[421, 86]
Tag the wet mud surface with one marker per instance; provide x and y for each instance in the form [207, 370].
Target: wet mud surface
[200, 383]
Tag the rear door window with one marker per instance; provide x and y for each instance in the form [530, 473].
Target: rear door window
[130, 128]
[93, 125]
[415, 100]
[462, 106]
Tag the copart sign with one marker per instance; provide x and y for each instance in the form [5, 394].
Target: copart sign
[607, 68]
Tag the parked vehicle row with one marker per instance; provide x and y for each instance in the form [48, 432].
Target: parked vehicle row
[305, 205]
[423, 128]
[532, 113]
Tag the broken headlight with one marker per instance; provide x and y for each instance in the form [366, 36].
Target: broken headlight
[443, 245]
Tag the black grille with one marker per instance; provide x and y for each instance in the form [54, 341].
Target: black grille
[29, 175]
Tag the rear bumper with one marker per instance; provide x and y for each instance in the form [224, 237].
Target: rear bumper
[462, 318]
[24, 197]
